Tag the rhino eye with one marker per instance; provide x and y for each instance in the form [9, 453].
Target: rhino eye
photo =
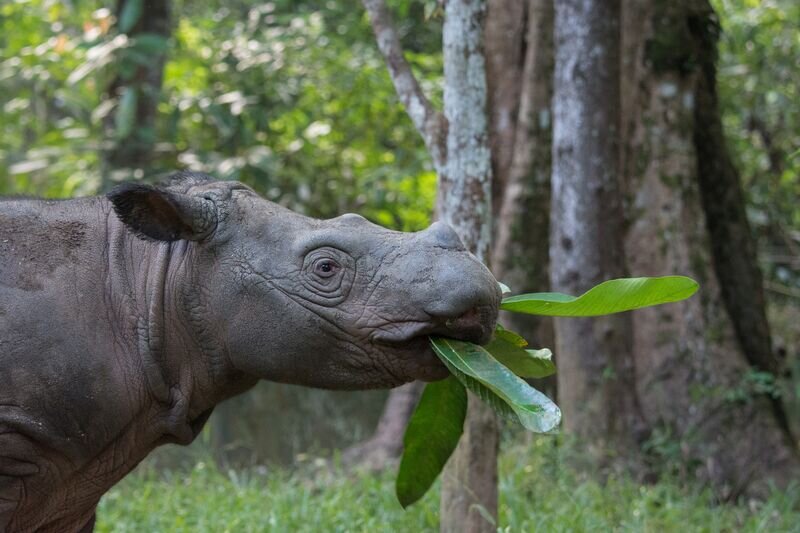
[326, 268]
[327, 274]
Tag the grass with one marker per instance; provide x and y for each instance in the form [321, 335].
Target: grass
[536, 495]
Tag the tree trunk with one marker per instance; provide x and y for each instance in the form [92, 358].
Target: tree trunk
[521, 255]
[596, 372]
[518, 40]
[469, 484]
[694, 373]
[130, 154]
[386, 444]
[504, 39]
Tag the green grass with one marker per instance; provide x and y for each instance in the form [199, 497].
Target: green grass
[536, 495]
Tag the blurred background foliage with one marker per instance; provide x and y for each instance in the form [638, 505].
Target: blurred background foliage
[290, 97]
[293, 98]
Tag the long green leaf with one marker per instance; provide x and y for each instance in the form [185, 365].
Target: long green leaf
[431, 436]
[507, 394]
[614, 296]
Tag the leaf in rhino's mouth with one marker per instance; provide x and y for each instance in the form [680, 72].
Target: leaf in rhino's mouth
[436, 425]
[509, 395]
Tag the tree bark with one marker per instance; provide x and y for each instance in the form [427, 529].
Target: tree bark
[521, 255]
[469, 483]
[596, 377]
[386, 444]
[504, 38]
[134, 152]
[693, 367]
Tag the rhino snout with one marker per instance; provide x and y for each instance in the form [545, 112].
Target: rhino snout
[473, 323]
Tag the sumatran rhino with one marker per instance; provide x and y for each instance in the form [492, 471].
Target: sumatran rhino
[125, 319]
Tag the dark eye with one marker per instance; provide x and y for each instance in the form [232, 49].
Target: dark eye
[326, 268]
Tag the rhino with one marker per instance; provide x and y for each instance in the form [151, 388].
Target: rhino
[125, 318]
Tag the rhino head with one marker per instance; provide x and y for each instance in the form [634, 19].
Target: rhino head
[339, 303]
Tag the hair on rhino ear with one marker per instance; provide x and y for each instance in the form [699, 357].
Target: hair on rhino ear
[161, 214]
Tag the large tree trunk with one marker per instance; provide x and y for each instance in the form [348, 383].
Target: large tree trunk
[596, 372]
[130, 154]
[694, 368]
[469, 483]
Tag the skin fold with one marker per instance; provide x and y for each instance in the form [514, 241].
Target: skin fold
[125, 319]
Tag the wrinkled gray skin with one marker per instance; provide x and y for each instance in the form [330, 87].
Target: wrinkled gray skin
[125, 320]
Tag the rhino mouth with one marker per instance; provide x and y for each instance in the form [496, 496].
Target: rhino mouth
[476, 326]
[411, 338]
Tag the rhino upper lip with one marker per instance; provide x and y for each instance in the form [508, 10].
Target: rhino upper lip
[468, 327]
[402, 332]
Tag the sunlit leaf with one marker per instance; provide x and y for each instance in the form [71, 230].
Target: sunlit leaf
[509, 395]
[431, 436]
[514, 338]
[614, 296]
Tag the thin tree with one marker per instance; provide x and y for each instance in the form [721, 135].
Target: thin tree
[458, 142]
[519, 57]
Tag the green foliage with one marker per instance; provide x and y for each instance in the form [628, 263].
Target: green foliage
[292, 98]
[430, 438]
[491, 372]
[537, 493]
[613, 296]
[48, 140]
[759, 87]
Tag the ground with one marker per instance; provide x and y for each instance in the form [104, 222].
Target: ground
[537, 494]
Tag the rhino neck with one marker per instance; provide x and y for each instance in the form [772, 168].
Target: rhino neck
[177, 341]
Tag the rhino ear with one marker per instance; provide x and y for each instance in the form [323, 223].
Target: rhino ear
[163, 215]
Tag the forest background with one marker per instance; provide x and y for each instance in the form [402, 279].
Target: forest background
[294, 98]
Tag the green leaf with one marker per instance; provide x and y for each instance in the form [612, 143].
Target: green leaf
[613, 296]
[514, 338]
[496, 385]
[524, 363]
[126, 114]
[504, 288]
[131, 13]
[431, 436]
